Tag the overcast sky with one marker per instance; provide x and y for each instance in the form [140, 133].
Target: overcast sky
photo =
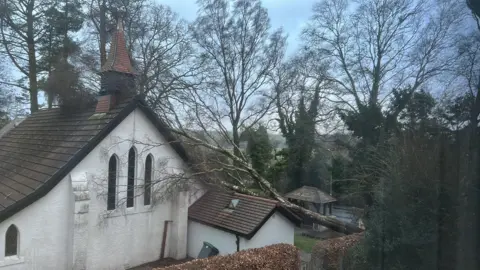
[289, 14]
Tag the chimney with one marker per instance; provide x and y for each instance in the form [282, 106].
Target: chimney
[117, 74]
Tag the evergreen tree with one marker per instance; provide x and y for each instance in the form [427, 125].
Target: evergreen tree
[317, 171]
[341, 170]
[64, 83]
[63, 18]
[412, 220]
[277, 172]
[418, 112]
[259, 150]
[298, 97]
[301, 142]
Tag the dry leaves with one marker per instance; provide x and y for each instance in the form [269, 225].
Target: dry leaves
[330, 251]
[274, 257]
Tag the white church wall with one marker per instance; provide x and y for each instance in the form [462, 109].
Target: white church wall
[45, 229]
[127, 237]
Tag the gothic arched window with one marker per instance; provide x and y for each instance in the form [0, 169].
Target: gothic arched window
[148, 180]
[112, 183]
[131, 178]
[11, 241]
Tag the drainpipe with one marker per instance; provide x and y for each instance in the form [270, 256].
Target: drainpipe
[238, 242]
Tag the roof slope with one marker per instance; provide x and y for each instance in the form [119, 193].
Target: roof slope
[310, 194]
[42, 150]
[245, 220]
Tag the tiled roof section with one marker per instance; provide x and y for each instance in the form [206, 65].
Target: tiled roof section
[37, 149]
[245, 220]
[118, 59]
[310, 194]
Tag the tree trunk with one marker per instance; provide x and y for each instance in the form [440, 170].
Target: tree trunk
[328, 222]
[236, 141]
[65, 34]
[32, 61]
[49, 92]
[103, 34]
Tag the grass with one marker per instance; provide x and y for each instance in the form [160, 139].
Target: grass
[304, 243]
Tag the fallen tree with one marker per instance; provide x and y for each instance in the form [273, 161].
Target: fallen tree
[243, 167]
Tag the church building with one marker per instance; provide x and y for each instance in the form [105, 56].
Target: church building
[80, 190]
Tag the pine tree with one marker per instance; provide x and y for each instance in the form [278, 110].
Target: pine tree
[63, 18]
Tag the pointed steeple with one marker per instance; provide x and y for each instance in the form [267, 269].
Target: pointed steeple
[117, 74]
[118, 59]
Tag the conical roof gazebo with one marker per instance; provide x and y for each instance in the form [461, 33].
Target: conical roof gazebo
[314, 196]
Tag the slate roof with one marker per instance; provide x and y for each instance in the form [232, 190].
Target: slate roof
[245, 219]
[310, 194]
[42, 150]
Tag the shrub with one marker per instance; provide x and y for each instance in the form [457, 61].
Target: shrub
[330, 254]
[278, 257]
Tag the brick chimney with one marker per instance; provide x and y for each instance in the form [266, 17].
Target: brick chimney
[117, 74]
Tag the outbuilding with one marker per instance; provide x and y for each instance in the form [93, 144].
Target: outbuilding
[232, 222]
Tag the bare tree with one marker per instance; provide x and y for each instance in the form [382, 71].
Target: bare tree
[22, 26]
[103, 15]
[98, 17]
[377, 46]
[164, 55]
[240, 53]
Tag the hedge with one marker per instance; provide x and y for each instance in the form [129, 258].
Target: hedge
[329, 254]
[278, 257]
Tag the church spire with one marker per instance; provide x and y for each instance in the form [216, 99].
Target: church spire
[118, 59]
[117, 74]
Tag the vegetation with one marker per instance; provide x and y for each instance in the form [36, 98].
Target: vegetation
[282, 257]
[380, 104]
